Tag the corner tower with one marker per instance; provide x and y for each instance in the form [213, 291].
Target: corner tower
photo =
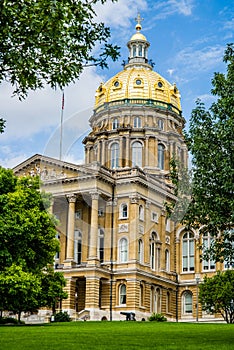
[137, 119]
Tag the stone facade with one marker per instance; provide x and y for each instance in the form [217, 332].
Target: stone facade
[119, 251]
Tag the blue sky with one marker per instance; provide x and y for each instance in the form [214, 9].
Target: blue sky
[187, 38]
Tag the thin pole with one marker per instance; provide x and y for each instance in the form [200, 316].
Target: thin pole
[61, 129]
[111, 249]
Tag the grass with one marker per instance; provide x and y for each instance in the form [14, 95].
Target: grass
[118, 335]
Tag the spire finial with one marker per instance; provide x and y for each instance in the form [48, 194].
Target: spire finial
[138, 19]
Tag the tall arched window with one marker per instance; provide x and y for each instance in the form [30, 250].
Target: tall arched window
[207, 241]
[134, 50]
[141, 294]
[137, 122]
[140, 251]
[155, 300]
[123, 250]
[101, 246]
[167, 260]
[122, 294]
[188, 252]
[139, 50]
[123, 213]
[115, 155]
[141, 213]
[187, 303]
[57, 255]
[115, 124]
[168, 302]
[161, 156]
[78, 247]
[137, 154]
[155, 252]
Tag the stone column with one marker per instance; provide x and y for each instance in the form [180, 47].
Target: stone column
[93, 227]
[92, 295]
[134, 228]
[70, 227]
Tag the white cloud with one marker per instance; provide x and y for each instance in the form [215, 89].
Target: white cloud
[199, 60]
[120, 14]
[171, 7]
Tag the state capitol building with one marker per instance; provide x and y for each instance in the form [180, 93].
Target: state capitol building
[119, 252]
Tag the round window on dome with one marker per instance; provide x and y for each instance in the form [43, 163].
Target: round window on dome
[116, 83]
[160, 84]
[138, 81]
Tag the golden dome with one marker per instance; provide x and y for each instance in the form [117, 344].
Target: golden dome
[138, 36]
[139, 85]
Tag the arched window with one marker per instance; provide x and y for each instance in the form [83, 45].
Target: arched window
[115, 155]
[101, 246]
[207, 241]
[123, 211]
[155, 252]
[115, 124]
[187, 303]
[141, 213]
[122, 294]
[134, 50]
[57, 255]
[141, 294]
[161, 156]
[168, 302]
[137, 122]
[160, 124]
[78, 247]
[123, 250]
[137, 154]
[140, 251]
[155, 300]
[140, 50]
[167, 260]
[188, 252]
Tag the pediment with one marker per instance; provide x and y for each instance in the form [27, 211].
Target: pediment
[49, 168]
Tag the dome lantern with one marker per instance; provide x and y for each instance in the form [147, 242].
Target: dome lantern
[138, 46]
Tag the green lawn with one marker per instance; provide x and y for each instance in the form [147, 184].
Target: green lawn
[117, 335]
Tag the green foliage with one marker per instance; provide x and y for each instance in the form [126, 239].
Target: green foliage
[44, 41]
[27, 231]
[211, 144]
[52, 288]
[27, 246]
[157, 317]
[2, 125]
[62, 316]
[19, 290]
[181, 180]
[10, 320]
[216, 294]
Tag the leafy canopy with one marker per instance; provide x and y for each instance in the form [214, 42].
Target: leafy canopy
[211, 144]
[27, 230]
[50, 42]
[216, 294]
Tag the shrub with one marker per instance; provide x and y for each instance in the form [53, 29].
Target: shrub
[62, 316]
[10, 320]
[157, 317]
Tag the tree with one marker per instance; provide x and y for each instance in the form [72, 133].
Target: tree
[50, 42]
[52, 288]
[2, 125]
[211, 144]
[27, 230]
[19, 290]
[216, 294]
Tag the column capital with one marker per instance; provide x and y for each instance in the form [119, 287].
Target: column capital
[95, 195]
[147, 204]
[71, 198]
